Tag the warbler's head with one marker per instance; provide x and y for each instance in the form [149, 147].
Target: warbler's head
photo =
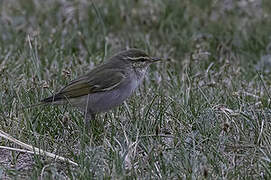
[137, 58]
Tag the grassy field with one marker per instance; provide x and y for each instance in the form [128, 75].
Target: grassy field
[205, 114]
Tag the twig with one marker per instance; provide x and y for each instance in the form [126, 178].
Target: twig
[32, 149]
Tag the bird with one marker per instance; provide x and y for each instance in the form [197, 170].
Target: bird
[106, 86]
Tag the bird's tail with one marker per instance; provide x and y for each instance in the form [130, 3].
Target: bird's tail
[52, 100]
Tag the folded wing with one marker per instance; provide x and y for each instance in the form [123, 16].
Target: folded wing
[95, 81]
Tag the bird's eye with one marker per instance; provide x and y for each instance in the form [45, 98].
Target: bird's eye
[142, 60]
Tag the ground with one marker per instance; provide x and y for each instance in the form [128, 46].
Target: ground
[204, 114]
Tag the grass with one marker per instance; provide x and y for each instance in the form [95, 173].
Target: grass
[203, 115]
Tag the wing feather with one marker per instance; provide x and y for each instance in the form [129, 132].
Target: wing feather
[95, 81]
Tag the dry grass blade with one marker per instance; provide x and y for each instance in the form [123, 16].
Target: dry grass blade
[32, 149]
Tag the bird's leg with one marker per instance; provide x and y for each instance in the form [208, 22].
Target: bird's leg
[94, 129]
[87, 134]
[89, 117]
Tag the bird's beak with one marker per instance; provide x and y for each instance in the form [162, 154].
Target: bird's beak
[155, 59]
